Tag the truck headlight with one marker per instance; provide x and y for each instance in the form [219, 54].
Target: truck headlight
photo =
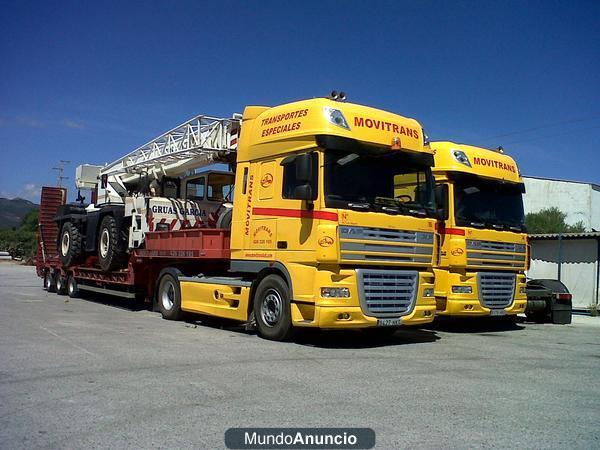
[335, 292]
[335, 117]
[462, 290]
[428, 292]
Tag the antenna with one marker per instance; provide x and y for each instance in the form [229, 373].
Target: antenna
[61, 169]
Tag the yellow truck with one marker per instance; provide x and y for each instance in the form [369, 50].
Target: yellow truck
[483, 251]
[310, 234]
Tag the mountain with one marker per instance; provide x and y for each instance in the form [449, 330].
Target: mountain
[13, 210]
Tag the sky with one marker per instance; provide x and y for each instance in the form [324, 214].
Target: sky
[87, 82]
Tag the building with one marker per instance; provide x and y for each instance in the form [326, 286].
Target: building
[578, 200]
[574, 259]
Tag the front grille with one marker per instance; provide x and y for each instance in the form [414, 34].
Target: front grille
[491, 254]
[496, 290]
[495, 246]
[385, 245]
[385, 293]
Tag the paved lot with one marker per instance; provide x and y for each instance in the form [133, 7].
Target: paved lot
[87, 373]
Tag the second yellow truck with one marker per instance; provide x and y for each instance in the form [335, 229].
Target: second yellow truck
[484, 251]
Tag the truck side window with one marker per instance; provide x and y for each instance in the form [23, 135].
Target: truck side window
[195, 189]
[289, 177]
[220, 187]
[170, 189]
[245, 180]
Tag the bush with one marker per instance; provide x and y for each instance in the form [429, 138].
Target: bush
[21, 242]
[550, 220]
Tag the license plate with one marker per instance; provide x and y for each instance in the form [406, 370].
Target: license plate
[497, 312]
[388, 322]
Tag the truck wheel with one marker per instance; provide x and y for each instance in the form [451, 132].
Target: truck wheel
[224, 220]
[169, 298]
[537, 317]
[111, 253]
[272, 309]
[72, 288]
[49, 282]
[70, 244]
[61, 285]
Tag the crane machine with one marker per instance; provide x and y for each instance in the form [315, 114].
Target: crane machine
[153, 188]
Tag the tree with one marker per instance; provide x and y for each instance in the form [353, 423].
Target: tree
[550, 220]
[23, 240]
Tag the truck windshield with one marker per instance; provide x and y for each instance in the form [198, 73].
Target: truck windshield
[489, 204]
[392, 182]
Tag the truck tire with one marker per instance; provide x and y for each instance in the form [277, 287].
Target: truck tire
[224, 220]
[168, 297]
[537, 317]
[111, 252]
[49, 282]
[272, 309]
[72, 287]
[61, 285]
[70, 244]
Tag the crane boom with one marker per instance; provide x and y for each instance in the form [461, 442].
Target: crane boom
[199, 139]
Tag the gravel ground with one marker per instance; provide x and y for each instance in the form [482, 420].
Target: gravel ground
[98, 373]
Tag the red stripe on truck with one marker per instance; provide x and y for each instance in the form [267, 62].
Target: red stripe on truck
[301, 213]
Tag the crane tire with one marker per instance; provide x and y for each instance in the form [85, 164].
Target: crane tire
[112, 250]
[70, 244]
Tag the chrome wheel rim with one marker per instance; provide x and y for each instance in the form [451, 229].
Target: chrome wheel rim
[48, 281]
[104, 243]
[70, 286]
[64, 244]
[271, 308]
[168, 296]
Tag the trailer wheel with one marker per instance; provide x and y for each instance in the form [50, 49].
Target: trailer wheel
[61, 285]
[272, 309]
[111, 253]
[72, 288]
[70, 244]
[169, 297]
[49, 281]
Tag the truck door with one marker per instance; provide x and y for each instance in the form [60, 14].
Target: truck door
[284, 219]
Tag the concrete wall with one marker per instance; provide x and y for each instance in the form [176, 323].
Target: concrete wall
[579, 201]
[578, 269]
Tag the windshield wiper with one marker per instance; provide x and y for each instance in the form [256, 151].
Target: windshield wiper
[418, 212]
[386, 205]
[495, 226]
[359, 206]
[472, 223]
[417, 209]
[393, 205]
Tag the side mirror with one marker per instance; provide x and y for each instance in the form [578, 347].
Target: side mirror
[304, 168]
[441, 201]
[303, 192]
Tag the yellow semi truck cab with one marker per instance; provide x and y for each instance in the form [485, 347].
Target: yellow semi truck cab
[484, 251]
[314, 203]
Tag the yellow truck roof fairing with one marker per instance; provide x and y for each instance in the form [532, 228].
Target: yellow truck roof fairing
[293, 126]
[453, 157]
